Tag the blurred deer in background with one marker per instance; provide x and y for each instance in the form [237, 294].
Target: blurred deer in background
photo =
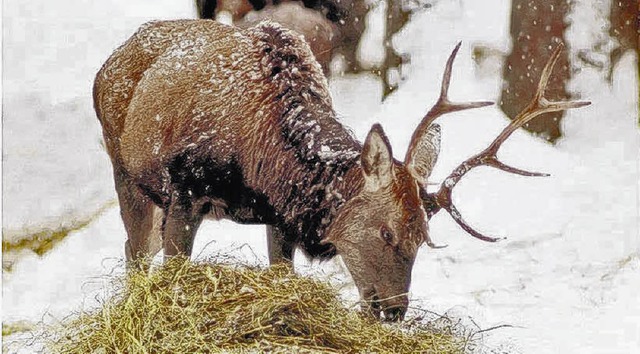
[323, 36]
[330, 26]
[202, 120]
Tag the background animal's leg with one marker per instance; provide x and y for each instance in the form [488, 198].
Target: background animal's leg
[206, 8]
[614, 58]
[180, 225]
[279, 250]
[137, 214]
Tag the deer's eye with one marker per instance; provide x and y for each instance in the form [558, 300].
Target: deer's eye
[386, 235]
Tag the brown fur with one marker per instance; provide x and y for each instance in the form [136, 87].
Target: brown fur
[202, 119]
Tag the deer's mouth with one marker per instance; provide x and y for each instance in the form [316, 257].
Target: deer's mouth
[394, 313]
[385, 312]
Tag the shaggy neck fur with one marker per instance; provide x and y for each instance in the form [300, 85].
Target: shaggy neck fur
[315, 168]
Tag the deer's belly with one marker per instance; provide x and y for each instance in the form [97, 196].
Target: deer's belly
[219, 210]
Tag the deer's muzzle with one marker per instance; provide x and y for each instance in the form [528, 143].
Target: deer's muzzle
[390, 309]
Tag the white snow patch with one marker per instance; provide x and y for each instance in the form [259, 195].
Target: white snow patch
[55, 169]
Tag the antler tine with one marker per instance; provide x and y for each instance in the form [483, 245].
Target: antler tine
[457, 217]
[443, 105]
[538, 105]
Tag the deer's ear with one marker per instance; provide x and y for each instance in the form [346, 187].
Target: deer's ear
[377, 159]
[421, 159]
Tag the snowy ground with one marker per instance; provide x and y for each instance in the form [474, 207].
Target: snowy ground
[567, 276]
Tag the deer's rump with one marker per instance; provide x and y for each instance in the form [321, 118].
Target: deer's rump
[173, 87]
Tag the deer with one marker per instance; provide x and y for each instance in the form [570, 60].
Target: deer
[204, 120]
[322, 35]
[329, 26]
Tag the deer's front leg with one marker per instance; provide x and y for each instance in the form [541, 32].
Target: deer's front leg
[279, 250]
[181, 222]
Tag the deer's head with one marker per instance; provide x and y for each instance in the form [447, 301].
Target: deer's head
[378, 232]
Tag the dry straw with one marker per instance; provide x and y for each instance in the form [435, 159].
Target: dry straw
[186, 307]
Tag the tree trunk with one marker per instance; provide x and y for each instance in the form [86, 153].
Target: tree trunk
[537, 27]
[625, 30]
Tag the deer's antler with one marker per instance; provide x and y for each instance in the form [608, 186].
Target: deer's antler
[539, 105]
[443, 105]
[425, 129]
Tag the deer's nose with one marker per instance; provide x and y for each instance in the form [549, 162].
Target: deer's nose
[395, 309]
[395, 314]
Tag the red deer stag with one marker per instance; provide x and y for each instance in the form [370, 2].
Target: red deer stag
[202, 119]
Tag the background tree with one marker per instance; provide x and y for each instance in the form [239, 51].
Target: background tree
[537, 26]
[625, 31]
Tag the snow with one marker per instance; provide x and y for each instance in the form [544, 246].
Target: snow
[51, 172]
[53, 159]
[566, 277]
[370, 51]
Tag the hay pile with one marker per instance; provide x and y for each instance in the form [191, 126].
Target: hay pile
[185, 307]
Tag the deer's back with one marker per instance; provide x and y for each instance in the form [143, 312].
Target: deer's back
[196, 85]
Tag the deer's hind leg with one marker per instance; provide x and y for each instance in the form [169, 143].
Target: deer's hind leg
[142, 219]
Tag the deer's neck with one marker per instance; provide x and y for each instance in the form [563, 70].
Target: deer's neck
[315, 200]
[313, 171]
